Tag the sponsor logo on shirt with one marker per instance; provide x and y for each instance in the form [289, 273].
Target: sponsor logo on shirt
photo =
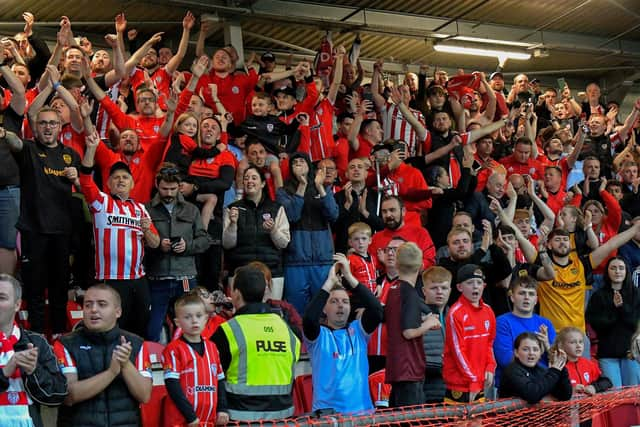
[67, 159]
[122, 220]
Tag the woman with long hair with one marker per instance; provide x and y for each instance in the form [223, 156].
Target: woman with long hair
[613, 312]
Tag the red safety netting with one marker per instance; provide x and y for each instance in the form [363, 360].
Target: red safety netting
[509, 412]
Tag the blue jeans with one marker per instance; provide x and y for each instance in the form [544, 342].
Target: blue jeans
[162, 292]
[301, 283]
[621, 372]
[9, 213]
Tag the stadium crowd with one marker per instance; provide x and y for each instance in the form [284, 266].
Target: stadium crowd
[446, 238]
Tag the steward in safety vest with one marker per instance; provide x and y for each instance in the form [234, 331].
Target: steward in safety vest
[258, 352]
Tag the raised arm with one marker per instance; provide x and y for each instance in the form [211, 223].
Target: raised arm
[67, 97]
[577, 148]
[337, 74]
[475, 135]
[10, 138]
[396, 97]
[378, 100]
[140, 53]
[167, 124]
[187, 24]
[119, 70]
[490, 110]
[629, 121]
[603, 251]
[205, 28]
[18, 100]
[549, 216]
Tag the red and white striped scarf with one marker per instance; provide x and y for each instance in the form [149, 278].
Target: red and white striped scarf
[14, 401]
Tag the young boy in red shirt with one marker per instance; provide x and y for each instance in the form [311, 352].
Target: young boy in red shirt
[468, 361]
[361, 263]
[193, 373]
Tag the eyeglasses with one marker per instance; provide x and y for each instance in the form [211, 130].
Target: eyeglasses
[391, 250]
[50, 123]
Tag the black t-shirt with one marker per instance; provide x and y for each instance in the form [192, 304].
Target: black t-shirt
[45, 200]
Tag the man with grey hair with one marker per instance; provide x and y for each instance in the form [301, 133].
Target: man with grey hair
[29, 375]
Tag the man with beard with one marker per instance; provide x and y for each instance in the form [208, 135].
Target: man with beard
[47, 171]
[392, 211]
[496, 81]
[562, 300]
[356, 203]
[461, 252]
[172, 266]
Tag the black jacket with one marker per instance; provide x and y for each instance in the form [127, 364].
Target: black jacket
[614, 326]
[348, 217]
[532, 384]
[114, 406]
[46, 385]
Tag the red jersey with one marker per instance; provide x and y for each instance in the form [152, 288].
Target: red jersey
[233, 91]
[397, 127]
[143, 165]
[532, 167]
[364, 270]
[378, 342]
[468, 347]
[341, 157]
[364, 149]
[410, 233]
[609, 227]
[198, 376]
[117, 231]
[72, 139]
[210, 168]
[321, 127]
[408, 183]
[583, 371]
[160, 79]
[146, 127]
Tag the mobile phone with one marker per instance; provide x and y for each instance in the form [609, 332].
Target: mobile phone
[175, 240]
[561, 84]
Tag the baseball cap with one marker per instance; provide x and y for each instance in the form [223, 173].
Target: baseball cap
[496, 74]
[469, 271]
[268, 56]
[118, 166]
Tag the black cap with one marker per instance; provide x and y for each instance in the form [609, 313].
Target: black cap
[268, 56]
[469, 271]
[119, 166]
[286, 90]
[496, 74]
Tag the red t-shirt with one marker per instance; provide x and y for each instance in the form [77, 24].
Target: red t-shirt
[583, 371]
[532, 167]
[363, 270]
[233, 91]
[198, 376]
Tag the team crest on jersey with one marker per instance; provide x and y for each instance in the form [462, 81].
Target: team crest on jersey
[67, 135]
[532, 171]
[136, 160]
[156, 128]
[13, 397]
[210, 160]
[214, 369]
[486, 325]
[270, 127]
[67, 159]
[235, 90]
[586, 377]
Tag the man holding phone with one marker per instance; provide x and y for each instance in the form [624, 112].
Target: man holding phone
[171, 267]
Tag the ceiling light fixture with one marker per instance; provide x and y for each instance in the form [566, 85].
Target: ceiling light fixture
[492, 53]
[493, 41]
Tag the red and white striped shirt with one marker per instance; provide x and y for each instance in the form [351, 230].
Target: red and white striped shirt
[117, 231]
[14, 401]
[198, 376]
[396, 126]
